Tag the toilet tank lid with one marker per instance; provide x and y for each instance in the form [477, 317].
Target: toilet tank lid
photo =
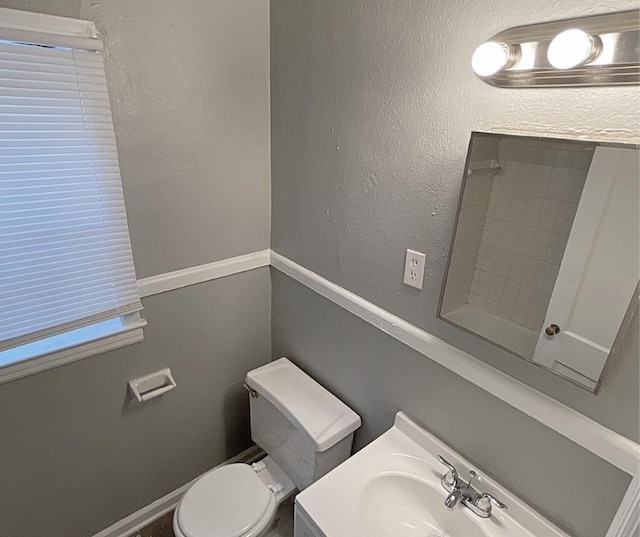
[319, 413]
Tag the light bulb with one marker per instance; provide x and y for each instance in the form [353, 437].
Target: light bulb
[572, 48]
[491, 56]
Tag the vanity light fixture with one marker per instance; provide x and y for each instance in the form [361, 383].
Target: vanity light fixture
[599, 50]
[572, 48]
[491, 57]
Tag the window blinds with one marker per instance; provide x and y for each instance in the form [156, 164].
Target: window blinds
[65, 253]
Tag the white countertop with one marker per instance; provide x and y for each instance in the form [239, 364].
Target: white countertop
[340, 503]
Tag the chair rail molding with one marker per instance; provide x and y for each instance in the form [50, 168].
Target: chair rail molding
[587, 433]
[596, 438]
[170, 281]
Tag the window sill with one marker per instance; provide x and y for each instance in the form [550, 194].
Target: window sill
[127, 335]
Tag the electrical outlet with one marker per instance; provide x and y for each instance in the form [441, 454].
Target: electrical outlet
[414, 268]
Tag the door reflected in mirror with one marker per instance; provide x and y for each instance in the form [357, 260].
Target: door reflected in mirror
[544, 260]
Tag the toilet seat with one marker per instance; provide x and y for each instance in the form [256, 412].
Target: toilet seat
[230, 501]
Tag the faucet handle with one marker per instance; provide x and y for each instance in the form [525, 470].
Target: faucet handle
[484, 501]
[452, 470]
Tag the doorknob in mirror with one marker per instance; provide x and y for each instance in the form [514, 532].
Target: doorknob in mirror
[552, 329]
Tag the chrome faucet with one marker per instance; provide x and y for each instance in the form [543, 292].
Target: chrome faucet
[454, 484]
[463, 492]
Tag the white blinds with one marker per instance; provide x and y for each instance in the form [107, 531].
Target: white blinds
[65, 254]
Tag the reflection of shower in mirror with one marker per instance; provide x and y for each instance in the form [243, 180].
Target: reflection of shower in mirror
[544, 259]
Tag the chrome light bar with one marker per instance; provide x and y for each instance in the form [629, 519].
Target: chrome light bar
[600, 50]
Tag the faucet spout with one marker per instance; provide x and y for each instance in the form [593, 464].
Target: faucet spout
[452, 499]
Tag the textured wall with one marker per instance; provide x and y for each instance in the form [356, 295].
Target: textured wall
[377, 376]
[189, 87]
[189, 83]
[372, 108]
[78, 454]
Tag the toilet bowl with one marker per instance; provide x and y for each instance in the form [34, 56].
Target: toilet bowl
[304, 430]
[237, 500]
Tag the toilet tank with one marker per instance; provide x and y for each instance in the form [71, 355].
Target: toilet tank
[307, 430]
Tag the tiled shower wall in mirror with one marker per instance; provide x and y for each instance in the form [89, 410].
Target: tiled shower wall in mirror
[473, 214]
[514, 228]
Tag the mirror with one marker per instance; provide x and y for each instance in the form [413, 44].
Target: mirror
[544, 259]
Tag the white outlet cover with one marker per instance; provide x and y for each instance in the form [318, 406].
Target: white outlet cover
[414, 268]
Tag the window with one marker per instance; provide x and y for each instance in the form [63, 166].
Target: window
[67, 280]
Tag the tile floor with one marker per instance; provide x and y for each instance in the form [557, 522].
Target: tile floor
[163, 526]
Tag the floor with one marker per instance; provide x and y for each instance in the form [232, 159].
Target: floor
[163, 527]
[284, 524]
[160, 528]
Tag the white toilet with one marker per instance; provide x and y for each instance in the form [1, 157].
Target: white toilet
[305, 431]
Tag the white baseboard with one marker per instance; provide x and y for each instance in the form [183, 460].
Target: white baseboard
[145, 516]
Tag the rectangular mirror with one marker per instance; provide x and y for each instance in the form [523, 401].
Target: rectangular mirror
[545, 255]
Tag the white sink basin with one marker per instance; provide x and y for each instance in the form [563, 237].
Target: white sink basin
[391, 488]
[397, 505]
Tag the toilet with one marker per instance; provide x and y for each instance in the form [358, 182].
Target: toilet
[305, 432]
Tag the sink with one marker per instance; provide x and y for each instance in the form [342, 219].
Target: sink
[397, 505]
[391, 488]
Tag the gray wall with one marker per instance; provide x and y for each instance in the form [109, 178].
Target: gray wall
[378, 376]
[78, 454]
[372, 109]
[189, 84]
[370, 128]
[189, 88]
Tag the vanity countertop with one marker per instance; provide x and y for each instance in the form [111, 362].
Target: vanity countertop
[391, 488]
